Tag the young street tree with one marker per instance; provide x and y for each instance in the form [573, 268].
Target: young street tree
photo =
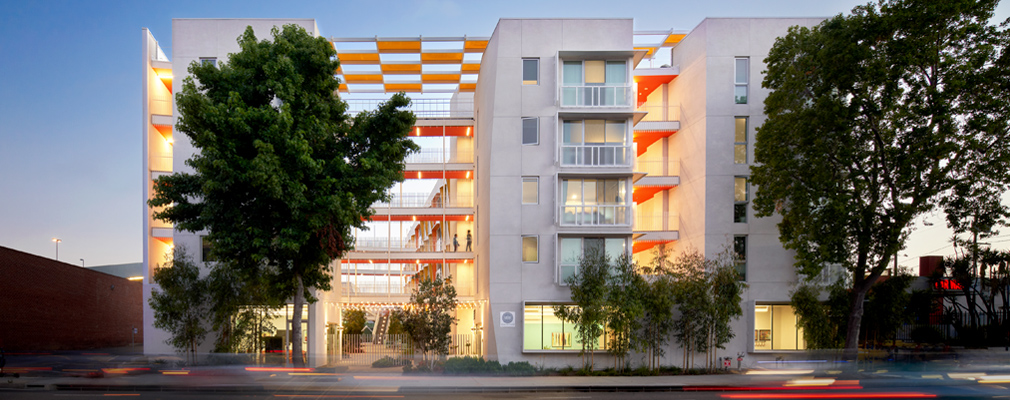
[181, 306]
[281, 172]
[589, 287]
[874, 119]
[430, 316]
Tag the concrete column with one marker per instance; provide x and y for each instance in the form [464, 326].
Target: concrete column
[316, 352]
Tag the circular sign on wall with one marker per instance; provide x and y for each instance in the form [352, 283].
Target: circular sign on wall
[507, 319]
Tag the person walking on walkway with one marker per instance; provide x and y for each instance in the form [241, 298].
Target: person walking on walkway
[455, 243]
[469, 240]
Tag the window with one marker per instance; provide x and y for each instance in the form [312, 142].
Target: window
[542, 330]
[740, 199]
[595, 83]
[595, 142]
[740, 141]
[742, 70]
[531, 127]
[530, 190]
[530, 253]
[594, 202]
[531, 71]
[775, 328]
[208, 60]
[573, 249]
[205, 253]
[740, 251]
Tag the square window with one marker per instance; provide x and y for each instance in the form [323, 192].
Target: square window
[530, 190]
[740, 94]
[531, 71]
[531, 128]
[740, 212]
[530, 253]
[212, 61]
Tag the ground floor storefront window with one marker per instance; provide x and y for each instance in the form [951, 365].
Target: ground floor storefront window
[542, 330]
[775, 328]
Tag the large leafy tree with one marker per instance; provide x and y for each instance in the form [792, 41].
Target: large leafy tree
[282, 173]
[874, 119]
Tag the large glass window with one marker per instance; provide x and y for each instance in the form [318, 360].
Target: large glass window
[595, 142]
[775, 328]
[595, 83]
[542, 330]
[573, 249]
[531, 71]
[740, 79]
[740, 141]
[531, 134]
[594, 202]
[530, 190]
[530, 250]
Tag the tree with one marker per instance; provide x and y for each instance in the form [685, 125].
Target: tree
[823, 323]
[874, 119]
[181, 306]
[589, 292]
[658, 301]
[708, 294]
[429, 317]
[240, 309]
[625, 298]
[354, 322]
[282, 173]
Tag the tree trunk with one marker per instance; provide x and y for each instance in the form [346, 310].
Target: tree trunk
[296, 323]
[855, 319]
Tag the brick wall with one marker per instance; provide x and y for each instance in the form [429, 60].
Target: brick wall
[50, 305]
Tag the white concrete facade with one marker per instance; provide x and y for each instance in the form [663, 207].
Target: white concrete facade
[675, 189]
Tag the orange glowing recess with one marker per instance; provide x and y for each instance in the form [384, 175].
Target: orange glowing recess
[647, 138]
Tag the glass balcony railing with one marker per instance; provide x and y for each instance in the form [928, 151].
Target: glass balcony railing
[656, 222]
[438, 200]
[161, 162]
[595, 155]
[595, 215]
[661, 112]
[658, 167]
[422, 108]
[438, 156]
[596, 96]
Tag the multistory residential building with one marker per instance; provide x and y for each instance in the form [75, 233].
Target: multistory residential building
[548, 139]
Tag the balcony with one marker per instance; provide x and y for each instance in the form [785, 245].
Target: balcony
[588, 155]
[426, 200]
[441, 156]
[595, 215]
[161, 162]
[596, 96]
[658, 222]
[422, 108]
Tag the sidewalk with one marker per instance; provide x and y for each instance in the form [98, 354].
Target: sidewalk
[370, 382]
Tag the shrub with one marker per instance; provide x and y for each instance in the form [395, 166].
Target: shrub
[386, 362]
[521, 368]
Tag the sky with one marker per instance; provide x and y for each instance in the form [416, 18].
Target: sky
[70, 97]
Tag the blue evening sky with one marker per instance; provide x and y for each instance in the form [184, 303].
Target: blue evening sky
[70, 87]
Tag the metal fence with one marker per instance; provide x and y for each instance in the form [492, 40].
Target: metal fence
[363, 349]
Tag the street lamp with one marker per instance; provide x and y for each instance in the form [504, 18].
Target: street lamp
[57, 241]
[82, 263]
